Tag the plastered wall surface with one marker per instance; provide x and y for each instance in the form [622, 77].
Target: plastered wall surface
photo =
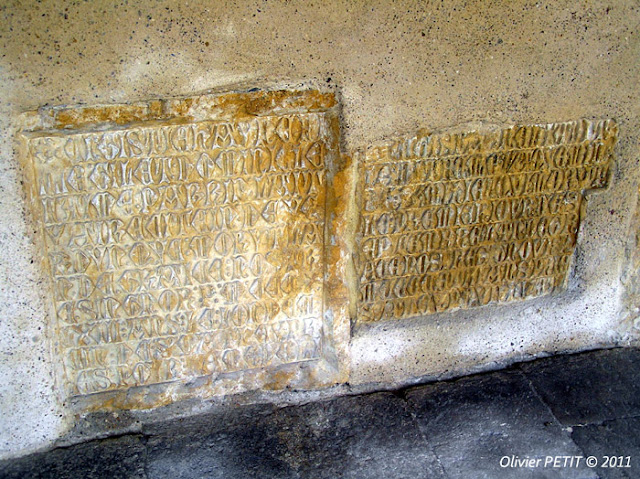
[395, 67]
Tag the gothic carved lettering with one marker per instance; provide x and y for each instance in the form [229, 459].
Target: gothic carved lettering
[183, 250]
[466, 219]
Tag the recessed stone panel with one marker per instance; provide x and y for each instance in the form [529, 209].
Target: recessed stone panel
[463, 219]
[189, 244]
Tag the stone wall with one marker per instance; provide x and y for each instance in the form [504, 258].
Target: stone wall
[433, 189]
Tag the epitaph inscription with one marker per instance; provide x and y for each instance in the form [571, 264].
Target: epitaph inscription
[458, 220]
[183, 249]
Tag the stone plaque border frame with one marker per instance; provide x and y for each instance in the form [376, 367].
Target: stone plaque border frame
[482, 140]
[332, 367]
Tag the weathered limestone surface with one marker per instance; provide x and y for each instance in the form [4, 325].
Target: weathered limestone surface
[457, 220]
[195, 246]
[189, 246]
[386, 69]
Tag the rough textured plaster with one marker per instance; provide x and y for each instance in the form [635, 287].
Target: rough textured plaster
[397, 66]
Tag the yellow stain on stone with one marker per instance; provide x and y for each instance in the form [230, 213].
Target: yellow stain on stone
[187, 241]
[456, 220]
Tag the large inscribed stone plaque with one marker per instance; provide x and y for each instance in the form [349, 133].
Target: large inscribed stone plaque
[186, 243]
[464, 219]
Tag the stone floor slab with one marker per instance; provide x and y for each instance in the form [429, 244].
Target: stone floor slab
[362, 437]
[455, 429]
[589, 388]
[115, 458]
[617, 439]
[232, 445]
[474, 422]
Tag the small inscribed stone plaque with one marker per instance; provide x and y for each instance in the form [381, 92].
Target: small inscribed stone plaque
[184, 245]
[457, 220]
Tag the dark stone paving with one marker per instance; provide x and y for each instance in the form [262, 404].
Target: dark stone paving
[352, 437]
[473, 422]
[535, 420]
[589, 388]
[121, 457]
[620, 437]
